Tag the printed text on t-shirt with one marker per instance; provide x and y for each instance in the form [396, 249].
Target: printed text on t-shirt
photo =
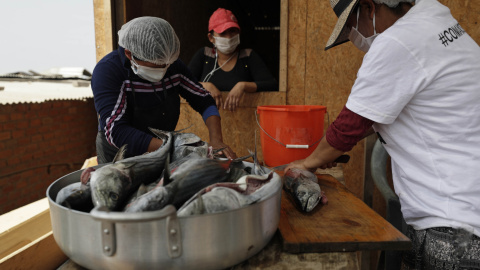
[451, 34]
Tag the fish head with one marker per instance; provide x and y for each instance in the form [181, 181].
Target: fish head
[111, 185]
[185, 139]
[307, 197]
[185, 150]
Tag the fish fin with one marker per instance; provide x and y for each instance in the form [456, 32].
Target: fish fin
[166, 172]
[280, 167]
[129, 164]
[201, 205]
[242, 158]
[178, 131]
[160, 134]
[120, 154]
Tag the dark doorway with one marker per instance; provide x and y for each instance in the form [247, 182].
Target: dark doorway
[259, 21]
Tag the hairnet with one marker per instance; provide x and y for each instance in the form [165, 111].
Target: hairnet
[150, 39]
[392, 3]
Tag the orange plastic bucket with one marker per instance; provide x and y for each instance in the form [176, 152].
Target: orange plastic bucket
[289, 132]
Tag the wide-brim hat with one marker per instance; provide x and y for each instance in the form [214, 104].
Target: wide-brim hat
[343, 9]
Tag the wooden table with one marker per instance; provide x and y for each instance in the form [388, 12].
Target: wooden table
[345, 224]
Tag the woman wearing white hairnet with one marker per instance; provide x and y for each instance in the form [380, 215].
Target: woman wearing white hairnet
[418, 88]
[139, 86]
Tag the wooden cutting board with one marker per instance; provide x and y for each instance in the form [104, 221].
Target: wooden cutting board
[345, 224]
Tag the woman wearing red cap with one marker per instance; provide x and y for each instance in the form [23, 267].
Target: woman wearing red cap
[225, 67]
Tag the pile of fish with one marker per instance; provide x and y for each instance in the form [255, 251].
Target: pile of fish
[184, 172]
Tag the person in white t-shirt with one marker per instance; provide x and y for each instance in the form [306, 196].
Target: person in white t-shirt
[419, 89]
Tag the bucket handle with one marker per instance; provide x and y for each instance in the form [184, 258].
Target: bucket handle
[296, 146]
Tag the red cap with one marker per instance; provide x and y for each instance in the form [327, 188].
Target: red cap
[221, 20]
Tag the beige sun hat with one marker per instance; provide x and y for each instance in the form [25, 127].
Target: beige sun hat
[343, 9]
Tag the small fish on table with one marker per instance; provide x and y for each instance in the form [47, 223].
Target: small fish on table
[304, 189]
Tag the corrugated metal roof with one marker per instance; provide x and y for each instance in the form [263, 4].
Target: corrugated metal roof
[31, 91]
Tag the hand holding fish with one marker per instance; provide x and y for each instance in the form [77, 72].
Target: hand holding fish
[299, 164]
[216, 139]
[323, 157]
[227, 151]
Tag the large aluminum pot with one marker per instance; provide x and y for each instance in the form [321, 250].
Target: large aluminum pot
[160, 239]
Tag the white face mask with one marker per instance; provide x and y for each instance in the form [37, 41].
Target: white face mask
[227, 45]
[148, 73]
[361, 42]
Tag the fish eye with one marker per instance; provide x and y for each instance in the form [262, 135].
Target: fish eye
[113, 196]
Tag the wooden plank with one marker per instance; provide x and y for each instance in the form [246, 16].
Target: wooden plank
[23, 226]
[344, 224]
[282, 81]
[104, 36]
[43, 253]
[90, 162]
[297, 35]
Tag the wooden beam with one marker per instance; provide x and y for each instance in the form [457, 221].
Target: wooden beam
[43, 253]
[282, 84]
[104, 36]
[23, 226]
[296, 51]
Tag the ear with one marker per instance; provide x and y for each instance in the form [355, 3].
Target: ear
[210, 38]
[370, 5]
[128, 54]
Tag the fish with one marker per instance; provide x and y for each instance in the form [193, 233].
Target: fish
[200, 148]
[303, 187]
[179, 161]
[190, 177]
[76, 196]
[113, 183]
[221, 197]
[186, 143]
[142, 189]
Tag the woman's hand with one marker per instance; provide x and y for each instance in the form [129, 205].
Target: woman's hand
[227, 151]
[214, 92]
[299, 164]
[234, 97]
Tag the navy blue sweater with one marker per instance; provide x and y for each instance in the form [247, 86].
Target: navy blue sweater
[112, 82]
